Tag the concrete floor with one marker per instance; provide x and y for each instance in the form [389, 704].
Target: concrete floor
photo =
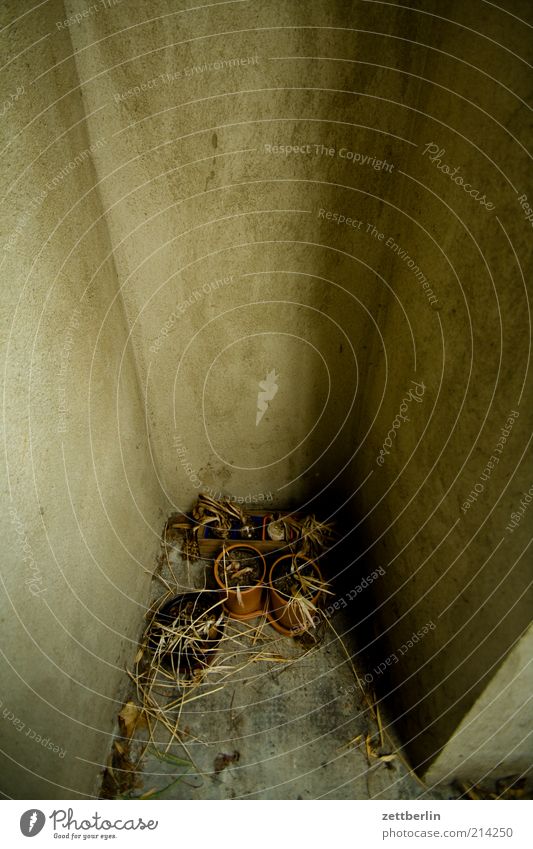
[273, 720]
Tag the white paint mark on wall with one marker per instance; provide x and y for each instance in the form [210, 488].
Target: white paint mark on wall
[267, 390]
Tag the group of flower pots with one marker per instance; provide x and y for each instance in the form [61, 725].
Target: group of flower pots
[255, 598]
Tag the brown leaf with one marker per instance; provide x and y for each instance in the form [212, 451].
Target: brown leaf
[130, 718]
[223, 760]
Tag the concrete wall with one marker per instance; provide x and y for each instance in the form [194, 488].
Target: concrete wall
[194, 193]
[198, 203]
[231, 264]
[494, 739]
[435, 510]
[81, 506]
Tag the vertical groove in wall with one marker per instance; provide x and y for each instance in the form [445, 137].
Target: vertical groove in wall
[112, 261]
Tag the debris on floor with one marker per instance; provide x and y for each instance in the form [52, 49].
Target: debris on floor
[511, 787]
[261, 701]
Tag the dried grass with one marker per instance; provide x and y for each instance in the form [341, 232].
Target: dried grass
[175, 664]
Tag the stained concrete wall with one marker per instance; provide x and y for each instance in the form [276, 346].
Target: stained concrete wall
[423, 281]
[435, 512]
[226, 271]
[81, 505]
[232, 262]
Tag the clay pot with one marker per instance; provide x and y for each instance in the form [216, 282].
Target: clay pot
[249, 601]
[197, 656]
[284, 615]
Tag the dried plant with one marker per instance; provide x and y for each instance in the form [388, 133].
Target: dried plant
[307, 537]
[182, 635]
[163, 689]
[188, 653]
[220, 514]
[302, 586]
[315, 537]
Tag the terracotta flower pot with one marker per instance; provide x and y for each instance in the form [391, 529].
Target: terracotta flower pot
[248, 601]
[283, 613]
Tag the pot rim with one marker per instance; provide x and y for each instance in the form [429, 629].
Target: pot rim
[282, 596]
[181, 597]
[259, 583]
[213, 644]
[281, 629]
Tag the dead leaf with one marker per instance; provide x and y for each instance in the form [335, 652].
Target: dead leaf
[130, 718]
[223, 760]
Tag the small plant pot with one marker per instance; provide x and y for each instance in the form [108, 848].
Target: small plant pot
[246, 601]
[284, 613]
[191, 653]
